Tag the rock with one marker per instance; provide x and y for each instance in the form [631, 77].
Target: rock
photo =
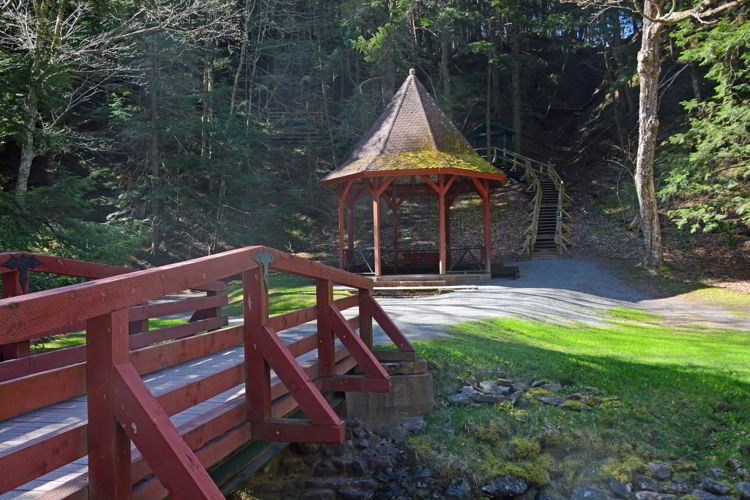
[506, 486]
[548, 495]
[743, 473]
[464, 397]
[733, 463]
[618, 488]
[489, 398]
[522, 404]
[357, 468]
[594, 390]
[325, 468]
[677, 487]
[716, 473]
[520, 385]
[305, 448]
[645, 483]
[555, 473]
[354, 494]
[538, 383]
[494, 387]
[362, 444]
[743, 490]
[550, 400]
[319, 495]
[504, 382]
[713, 486]
[530, 494]
[458, 489]
[422, 472]
[704, 495]
[552, 387]
[652, 495]
[576, 396]
[332, 450]
[659, 471]
[589, 494]
[400, 429]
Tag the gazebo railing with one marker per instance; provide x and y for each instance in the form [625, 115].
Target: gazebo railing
[362, 260]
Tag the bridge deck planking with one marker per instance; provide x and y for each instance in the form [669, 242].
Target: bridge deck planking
[38, 423]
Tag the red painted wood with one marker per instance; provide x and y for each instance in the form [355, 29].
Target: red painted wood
[258, 374]
[502, 178]
[140, 340]
[487, 227]
[35, 363]
[296, 380]
[303, 267]
[346, 302]
[194, 393]
[443, 265]
[389, 327]
[158, 440]
[350, 219]
[303, 346]
[395, 218]
[176, 307]
[298, 430]
[365, 318]
[12, 288]
[108, 445]
[324, 295]
[153, 358]
[479, 187]
[292, 319]
[376, 232]
[367, 361]
[39, 456]
[36, 391]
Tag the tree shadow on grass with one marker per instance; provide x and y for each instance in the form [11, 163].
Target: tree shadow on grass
[699, 410]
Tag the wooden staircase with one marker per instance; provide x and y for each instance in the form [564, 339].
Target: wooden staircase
[546, 234]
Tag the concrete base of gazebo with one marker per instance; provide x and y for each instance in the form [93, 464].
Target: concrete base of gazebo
[429, 279]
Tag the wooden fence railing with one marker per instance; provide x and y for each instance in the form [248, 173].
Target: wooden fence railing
[121, 408]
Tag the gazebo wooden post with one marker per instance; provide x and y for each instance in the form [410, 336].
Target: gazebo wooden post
[350, 220]
[448, 204]
[376, 192]
[343, 193]
[487, 227]
[443, 266]
[395, 216]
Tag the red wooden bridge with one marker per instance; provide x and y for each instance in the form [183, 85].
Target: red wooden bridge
[94, 420]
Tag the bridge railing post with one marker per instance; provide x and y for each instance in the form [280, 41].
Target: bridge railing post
[12, 287]
[108, 444]
[326, 354]
[257, 370]
[365, 317]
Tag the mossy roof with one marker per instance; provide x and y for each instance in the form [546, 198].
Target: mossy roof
[412, 133]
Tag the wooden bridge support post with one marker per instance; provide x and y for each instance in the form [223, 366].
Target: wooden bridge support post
[12, 287]
[326, 351]
[365, 317]
[257, 371]
[108, 444]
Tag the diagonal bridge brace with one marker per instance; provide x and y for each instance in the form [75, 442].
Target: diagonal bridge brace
[376, 379]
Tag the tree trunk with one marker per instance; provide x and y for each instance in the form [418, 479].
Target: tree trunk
[154, 156]
[27, 146]
[695, 81]
[516, 90]
[649, 68]
[445, 76]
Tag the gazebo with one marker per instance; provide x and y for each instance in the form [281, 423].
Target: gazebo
[412, 149]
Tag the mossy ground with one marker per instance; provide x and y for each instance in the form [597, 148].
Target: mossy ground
[681, 394]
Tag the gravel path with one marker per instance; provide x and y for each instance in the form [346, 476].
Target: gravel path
[564, 290]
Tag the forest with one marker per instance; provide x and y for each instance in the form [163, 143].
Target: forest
[171, 129]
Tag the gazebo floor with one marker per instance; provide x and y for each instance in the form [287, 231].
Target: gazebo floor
[429, 279]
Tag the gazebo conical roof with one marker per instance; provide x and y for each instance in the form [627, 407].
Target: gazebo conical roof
[413, 134]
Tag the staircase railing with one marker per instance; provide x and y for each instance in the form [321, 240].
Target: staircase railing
[561, 228]
[532, 170]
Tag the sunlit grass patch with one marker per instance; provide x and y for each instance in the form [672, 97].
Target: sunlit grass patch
[681, 392]
[630, 314]
[286, 293]
[719, 297]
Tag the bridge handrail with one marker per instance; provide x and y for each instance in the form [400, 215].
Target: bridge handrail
[495, 153]
[46, 310]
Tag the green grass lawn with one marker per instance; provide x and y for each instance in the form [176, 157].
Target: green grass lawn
[78, 338]
[286, 293]
[683, 394]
